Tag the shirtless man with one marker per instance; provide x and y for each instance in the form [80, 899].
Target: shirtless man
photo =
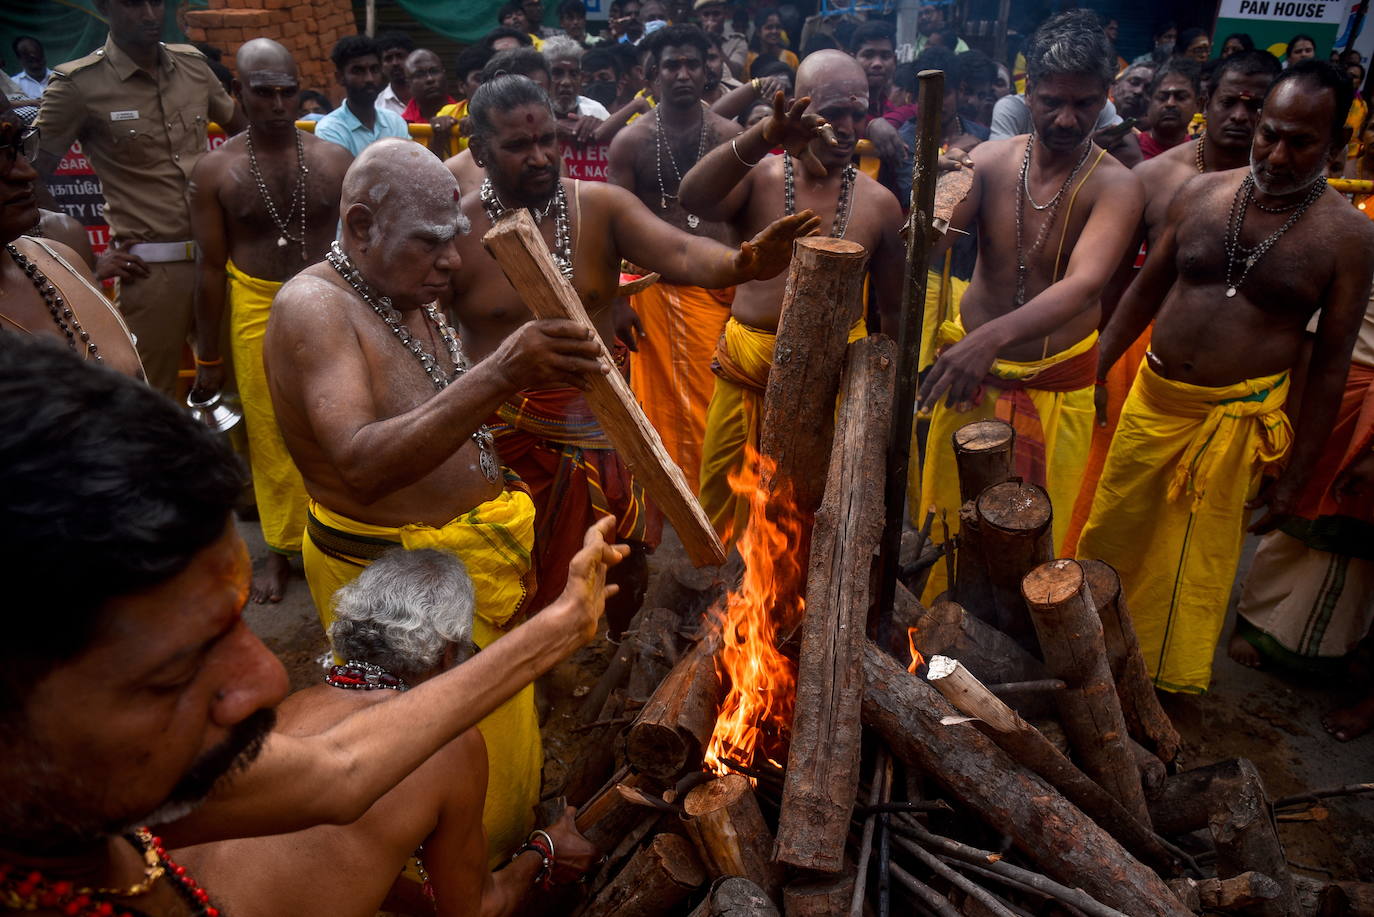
[1234, 290]
[391, 453]
[408, 616]
[548, 434]
[1232, 111]
[1031, 308]
[740, 184]
[525, 62]
[263, 206]
[677, 325]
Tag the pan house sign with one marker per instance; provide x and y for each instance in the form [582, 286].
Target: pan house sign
[1271, 23]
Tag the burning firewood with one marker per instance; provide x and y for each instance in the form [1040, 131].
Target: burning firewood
[670, 733]
[724, 820]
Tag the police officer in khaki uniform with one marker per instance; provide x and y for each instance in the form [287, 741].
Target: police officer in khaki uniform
[140, 109]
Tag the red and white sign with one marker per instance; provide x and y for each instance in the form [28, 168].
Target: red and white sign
[586, 162]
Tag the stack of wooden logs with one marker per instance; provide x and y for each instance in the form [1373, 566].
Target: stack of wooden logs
[1024, 769]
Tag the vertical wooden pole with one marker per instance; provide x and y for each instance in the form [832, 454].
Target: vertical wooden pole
[919, 239]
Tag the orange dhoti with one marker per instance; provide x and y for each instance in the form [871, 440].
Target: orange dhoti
[671, 372]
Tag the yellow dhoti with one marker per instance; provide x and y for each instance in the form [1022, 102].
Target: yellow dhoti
[1054, 421]
[493, 540]
[277, 485]
[743, 358]
[1169, 513]
[670, 373]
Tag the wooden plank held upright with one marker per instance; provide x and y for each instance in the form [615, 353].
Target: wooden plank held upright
[516, 245]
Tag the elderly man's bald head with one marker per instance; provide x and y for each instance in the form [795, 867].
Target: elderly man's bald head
[400, 181]
[828, 75]
[263, 54]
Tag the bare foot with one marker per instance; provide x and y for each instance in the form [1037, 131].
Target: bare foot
[270, 584]
[1350, 722]
[1242, 651]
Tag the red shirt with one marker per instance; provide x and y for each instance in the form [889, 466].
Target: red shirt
[412, 113]
[1150, 148]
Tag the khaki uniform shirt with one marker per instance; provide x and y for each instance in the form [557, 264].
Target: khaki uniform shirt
[143, 132]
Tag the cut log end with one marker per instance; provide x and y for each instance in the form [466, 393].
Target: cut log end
[832, 246]
[715, 795]
[1015, 506]
[1103, 582]
[983, 436]
[1053, 583]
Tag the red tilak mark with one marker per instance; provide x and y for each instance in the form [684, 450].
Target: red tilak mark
[529, 117]
[456, 195]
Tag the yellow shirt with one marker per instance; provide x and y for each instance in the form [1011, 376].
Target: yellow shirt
[1355, 121]
[457, 111]
[787, 57]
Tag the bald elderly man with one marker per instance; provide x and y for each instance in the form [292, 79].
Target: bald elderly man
[739, 183]
[263, 206]
[367, 381]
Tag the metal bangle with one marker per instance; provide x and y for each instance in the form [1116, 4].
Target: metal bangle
[553, 853]
[743, 161]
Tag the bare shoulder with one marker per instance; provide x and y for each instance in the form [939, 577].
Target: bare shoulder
[879, 198]
[996, 154]
[1352, 229]
[311, 299]
[723, 127]
[328, 155]
[213, 163]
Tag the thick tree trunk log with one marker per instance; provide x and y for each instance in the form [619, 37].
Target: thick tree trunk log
[1246, 837]
[1071, 638]
[983, 454]
[656, 880]
[671, 732]
[1028, 747]
[1145, 718]
[1014, 534]
[818, 897]
[823, 289]
[725, 822]
[947, 629]
[823, 763]
[735, 896]
[1068, 845]
[606, 818]
[516, 245]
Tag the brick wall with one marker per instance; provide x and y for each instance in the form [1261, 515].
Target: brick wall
[308, 29]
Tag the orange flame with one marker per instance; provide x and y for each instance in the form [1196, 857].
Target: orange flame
[768, 602]
[916, 658]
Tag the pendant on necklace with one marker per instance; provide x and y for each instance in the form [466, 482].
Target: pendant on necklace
[662, 203]
[487, 462]
[693, 220]
[281, 241]
[1230, 291]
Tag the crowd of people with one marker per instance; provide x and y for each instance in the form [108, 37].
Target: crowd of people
[1148, 277]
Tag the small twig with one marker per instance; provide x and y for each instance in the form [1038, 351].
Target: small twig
[929, 521]
[1027, 687]
[885, 844]
[856, 901]
[636, 796]
[1305, 867]
[958, 881]
[923, 892]
[925, 805]
[949, 555]
[588, 727]
[1352, 789]
[1011, 883]
[925, 560]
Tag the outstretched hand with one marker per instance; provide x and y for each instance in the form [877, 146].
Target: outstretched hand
[793, 129]
[586, 591]
[767, 254]
[959, 371]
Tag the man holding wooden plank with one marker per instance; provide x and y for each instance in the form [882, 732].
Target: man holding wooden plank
[1234, 290]
[741, 184]
[547, 433]
[369, 386]
[1024, 346]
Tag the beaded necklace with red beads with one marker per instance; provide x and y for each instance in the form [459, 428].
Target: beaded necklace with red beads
[32, 891]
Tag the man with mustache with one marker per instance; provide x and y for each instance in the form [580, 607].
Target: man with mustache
[546, 431]
[358, 122]
[140, 688]
[1247, 257]
[1131, 91]
[1173, 102]
[678, 325]
[739, 183]
[263, 206]
[1023, 346]
[1232, 111]
[141, 110]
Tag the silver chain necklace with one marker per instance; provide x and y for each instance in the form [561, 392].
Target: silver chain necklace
[486, 443]
[843, 205]
[1244, 258]
[297, 195]
[1023, 195]
[659, 146]
[562, 235]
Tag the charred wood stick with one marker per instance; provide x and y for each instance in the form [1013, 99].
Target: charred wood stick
[1352, 789]
[735, 896]
[875, 792]
[885, 844]
[946, 629]
[1145, 718]
[1027, 687]
[1071, 638]
[655, 881]
[928, 896]
[637, 797]
[1055, 834]
[823, 762]
[724, 821]
[972, 889]
[1027, 746]
[993, 863]
[671, 731]
[1009, 882]
[922, 805]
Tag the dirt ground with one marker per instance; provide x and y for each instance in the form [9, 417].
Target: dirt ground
[1273, 721]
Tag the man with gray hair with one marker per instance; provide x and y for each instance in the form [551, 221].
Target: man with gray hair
[578, 116]
[405, 619]
[1024, 344]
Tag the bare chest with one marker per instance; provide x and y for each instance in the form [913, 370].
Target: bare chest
[1278, 272]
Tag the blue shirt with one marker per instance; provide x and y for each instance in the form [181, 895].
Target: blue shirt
[341, 126]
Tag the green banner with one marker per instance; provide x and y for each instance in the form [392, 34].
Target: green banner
[1272, 23]
[68, 29]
